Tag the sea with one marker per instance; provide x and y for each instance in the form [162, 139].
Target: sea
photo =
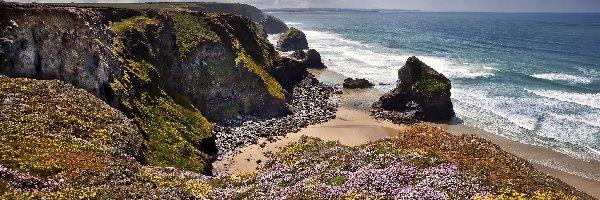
[530, 77]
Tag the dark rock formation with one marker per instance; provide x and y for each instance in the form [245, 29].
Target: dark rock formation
[289, 73]
[421, 94]
[311, 60]
[358, 83]
[274, 25]
[292, 40]
[298, 55]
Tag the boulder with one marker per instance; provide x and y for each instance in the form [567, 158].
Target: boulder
[358, 83]
[421, 94]
[289, 73]
[274, 25]
[311, 59]
[292, 40]
[298, 55]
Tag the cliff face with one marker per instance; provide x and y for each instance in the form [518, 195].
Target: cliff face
[167, 70]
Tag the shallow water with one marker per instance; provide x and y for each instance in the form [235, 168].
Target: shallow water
[532, 78]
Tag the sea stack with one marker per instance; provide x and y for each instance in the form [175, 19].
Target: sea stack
[421, 94]
[292, 40]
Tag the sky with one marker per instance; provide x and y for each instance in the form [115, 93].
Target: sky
[425, 5]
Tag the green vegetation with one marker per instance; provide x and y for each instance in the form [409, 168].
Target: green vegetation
[431, 86]
[293, 33]
[175, 132]
[191, 29]
[51, 129]
[138, 23]
[272, 85]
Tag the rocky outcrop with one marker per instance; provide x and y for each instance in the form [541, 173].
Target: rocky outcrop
[274, 25]
[170, 71]
[292, 40]
[421, 94]
[359, 83]
[311, 59]
[290, 72]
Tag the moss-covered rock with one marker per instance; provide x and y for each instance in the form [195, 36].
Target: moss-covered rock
[231, 77]
[292, 40]
[421, 94]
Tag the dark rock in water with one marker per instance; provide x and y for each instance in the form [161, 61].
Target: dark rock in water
[313, 59]
[298, 55]
[358, 83]
[274, 25]
[421, 94]
[292, 40]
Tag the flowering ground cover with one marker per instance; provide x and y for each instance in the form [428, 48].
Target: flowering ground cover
[421, 163]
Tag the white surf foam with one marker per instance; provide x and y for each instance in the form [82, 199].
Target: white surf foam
[571, 79]
[293, 23]
[333, 46]
[518, 111]
[591, 100]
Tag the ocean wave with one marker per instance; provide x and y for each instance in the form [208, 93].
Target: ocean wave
[518, 111]
[334, 45]
[293, 23]
[531, 120]
[586, 99]
[572, 79]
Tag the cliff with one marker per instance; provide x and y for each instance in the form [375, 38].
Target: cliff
[170, 71]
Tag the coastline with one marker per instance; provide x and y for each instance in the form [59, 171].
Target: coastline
[354, 126]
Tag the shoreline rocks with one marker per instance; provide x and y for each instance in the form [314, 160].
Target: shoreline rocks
[311, 59]
[311, 104]
[292, 40]
[359, 83]
[421, 94]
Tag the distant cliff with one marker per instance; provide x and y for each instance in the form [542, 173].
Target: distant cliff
[171, 71]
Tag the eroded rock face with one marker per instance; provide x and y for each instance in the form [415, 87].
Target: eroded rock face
[274, 25]
[47, 44]
[421, 94]
[292, 40]
[359, 83]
